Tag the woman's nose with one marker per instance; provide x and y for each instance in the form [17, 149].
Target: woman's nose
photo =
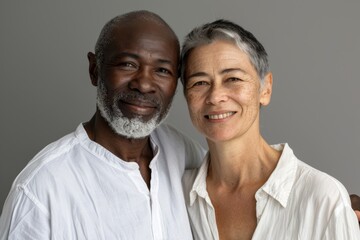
[216, 95]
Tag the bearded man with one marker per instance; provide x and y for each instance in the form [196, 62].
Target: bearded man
[118, 176]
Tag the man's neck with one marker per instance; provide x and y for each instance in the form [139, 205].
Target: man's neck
[130, 150]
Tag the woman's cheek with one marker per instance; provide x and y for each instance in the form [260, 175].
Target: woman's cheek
[191, 98]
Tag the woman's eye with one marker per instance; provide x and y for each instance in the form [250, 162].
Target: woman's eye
[234, 79]
[200, 83]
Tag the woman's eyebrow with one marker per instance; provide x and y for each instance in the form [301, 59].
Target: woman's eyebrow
[198, 74]
[228, 70]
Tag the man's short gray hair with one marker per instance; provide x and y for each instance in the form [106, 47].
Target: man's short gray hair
[106, 34]
[229, 31]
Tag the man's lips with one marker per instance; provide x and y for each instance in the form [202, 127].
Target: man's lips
[139, 107]
[144, 104]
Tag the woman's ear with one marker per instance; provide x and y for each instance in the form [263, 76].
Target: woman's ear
[266, 89]
[93, 69]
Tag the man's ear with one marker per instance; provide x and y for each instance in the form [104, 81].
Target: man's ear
[93, 69]
[266, 89]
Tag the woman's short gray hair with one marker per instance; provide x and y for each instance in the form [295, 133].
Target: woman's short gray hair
[229, 31]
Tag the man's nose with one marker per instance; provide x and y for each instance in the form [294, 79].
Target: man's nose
[143, 81]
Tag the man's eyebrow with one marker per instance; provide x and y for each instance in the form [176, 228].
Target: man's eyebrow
[165, 61]
[127, 54]
[136, 56]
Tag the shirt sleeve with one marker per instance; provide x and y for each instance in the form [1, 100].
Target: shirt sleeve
[343, 225]
[23, 217]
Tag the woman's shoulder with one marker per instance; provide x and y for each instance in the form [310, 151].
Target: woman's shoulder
[318, 185]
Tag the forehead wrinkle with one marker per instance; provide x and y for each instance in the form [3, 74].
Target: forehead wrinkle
[229, 70]
[143, 43]
[158, 59]
[165, 61]
[198, 65]
[198, 74]
[126, 54]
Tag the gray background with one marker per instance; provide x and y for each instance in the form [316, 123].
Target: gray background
[314, 55]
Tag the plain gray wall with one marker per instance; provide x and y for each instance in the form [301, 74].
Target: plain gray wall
[313, 48]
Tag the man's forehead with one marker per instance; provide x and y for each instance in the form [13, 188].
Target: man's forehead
[143, 45]
[143, 33]
[142, 38]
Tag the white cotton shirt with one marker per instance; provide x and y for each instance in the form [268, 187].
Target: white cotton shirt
[297, 202]
[76, 189]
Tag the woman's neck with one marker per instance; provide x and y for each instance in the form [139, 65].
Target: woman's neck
[240, 162]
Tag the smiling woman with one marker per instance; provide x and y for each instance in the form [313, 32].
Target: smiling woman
[245, 188]
[220, 72]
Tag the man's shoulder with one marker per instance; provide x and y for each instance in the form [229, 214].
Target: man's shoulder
[169, 130]
[167, 133]
[178, 145]
[48, 155]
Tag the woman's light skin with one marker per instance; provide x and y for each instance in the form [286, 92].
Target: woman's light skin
[224, 94]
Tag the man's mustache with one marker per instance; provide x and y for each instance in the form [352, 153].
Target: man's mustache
[134, 96]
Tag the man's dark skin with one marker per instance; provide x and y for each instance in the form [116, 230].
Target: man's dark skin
[142, 57]
[355, 204]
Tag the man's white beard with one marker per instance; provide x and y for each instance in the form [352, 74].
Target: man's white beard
[127, 127]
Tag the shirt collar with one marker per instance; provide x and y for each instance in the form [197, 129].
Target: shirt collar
[278, 186]
[281, 181]
[109, 157]
[199, 185]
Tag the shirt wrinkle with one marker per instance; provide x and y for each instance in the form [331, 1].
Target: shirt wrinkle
[28, 175]
[33, 198]
[89, 193]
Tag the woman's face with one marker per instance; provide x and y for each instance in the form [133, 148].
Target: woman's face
[223, 91]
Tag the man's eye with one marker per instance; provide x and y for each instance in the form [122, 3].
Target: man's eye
[127, 65]
[164, 71]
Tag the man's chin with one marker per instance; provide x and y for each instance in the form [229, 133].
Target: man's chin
[133, 128]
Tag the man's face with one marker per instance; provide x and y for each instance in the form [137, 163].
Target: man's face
[138, 78]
